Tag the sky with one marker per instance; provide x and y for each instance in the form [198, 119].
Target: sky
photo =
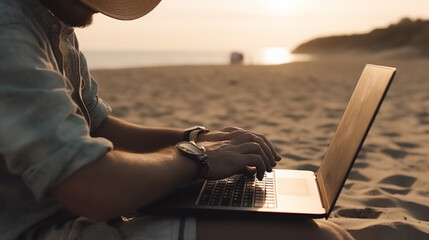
[219, 25]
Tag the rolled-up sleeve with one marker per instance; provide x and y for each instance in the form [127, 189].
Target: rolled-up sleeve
[42, 139]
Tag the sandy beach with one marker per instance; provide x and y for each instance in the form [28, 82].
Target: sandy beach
[298, 106]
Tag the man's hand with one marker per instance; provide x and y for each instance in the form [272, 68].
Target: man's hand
[233, 150]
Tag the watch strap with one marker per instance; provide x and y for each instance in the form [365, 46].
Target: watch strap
[196, 154]
[191, 134]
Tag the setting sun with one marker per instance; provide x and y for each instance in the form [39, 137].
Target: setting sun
[275, 55]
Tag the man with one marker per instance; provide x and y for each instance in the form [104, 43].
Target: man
[67, 168]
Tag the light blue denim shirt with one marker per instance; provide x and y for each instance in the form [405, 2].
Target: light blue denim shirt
[48, 106]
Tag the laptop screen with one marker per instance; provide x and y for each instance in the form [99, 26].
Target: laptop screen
[352, 130]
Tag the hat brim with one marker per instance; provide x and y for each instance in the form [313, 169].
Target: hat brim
[122, 9]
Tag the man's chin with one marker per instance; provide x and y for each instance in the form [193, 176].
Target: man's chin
[74, 20]
[81, 23]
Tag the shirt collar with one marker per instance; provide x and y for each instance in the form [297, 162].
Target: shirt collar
[46, 18]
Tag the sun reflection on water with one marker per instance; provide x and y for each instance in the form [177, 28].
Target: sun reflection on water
[275, 55]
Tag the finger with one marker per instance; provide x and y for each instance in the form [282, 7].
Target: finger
[248, 171]
[231, 129]
[256, 161]
[241, 137]
[267, 152]
[255, 148]
[240, 133]
[271, 146]
[220, 135]
[213, 136]
[245, 136]
[249, 137]
[223, 134]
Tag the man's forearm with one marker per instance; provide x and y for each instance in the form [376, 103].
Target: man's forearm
[120, 182]
[135, 138]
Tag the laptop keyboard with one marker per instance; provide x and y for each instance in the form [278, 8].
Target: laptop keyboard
[239, 191]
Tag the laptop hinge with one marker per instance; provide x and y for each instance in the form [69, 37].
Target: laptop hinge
[322, 190]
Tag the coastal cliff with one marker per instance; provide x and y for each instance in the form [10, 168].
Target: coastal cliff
[405, 38]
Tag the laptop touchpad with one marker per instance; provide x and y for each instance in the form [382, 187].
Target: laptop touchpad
[292, 186]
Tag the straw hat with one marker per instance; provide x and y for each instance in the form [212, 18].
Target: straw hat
[122, 9]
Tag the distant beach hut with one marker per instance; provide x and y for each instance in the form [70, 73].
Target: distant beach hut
[236, 58]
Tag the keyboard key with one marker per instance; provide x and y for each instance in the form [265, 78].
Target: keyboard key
[239, 190]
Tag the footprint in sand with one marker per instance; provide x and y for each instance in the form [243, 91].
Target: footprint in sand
[369, 213]
[419, 211]
[380, 202]
[374, 192]
[401, 184]
[407, 144]
[397, 154]
[365, 150]
[399, 180]
[355, 175]
[360, 165]
[396, 191]
[370, 147]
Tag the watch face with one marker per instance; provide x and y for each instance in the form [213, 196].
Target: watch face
[190, 148]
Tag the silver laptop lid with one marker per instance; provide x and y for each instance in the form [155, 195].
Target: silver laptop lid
[351, 131]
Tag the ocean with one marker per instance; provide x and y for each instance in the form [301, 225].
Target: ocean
[131, 59]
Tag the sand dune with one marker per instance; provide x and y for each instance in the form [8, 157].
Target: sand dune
[298, 106]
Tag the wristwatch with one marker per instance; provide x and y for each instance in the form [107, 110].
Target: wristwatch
[198, 154]
[191, 133]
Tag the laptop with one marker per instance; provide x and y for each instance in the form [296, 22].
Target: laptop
[285, 192]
